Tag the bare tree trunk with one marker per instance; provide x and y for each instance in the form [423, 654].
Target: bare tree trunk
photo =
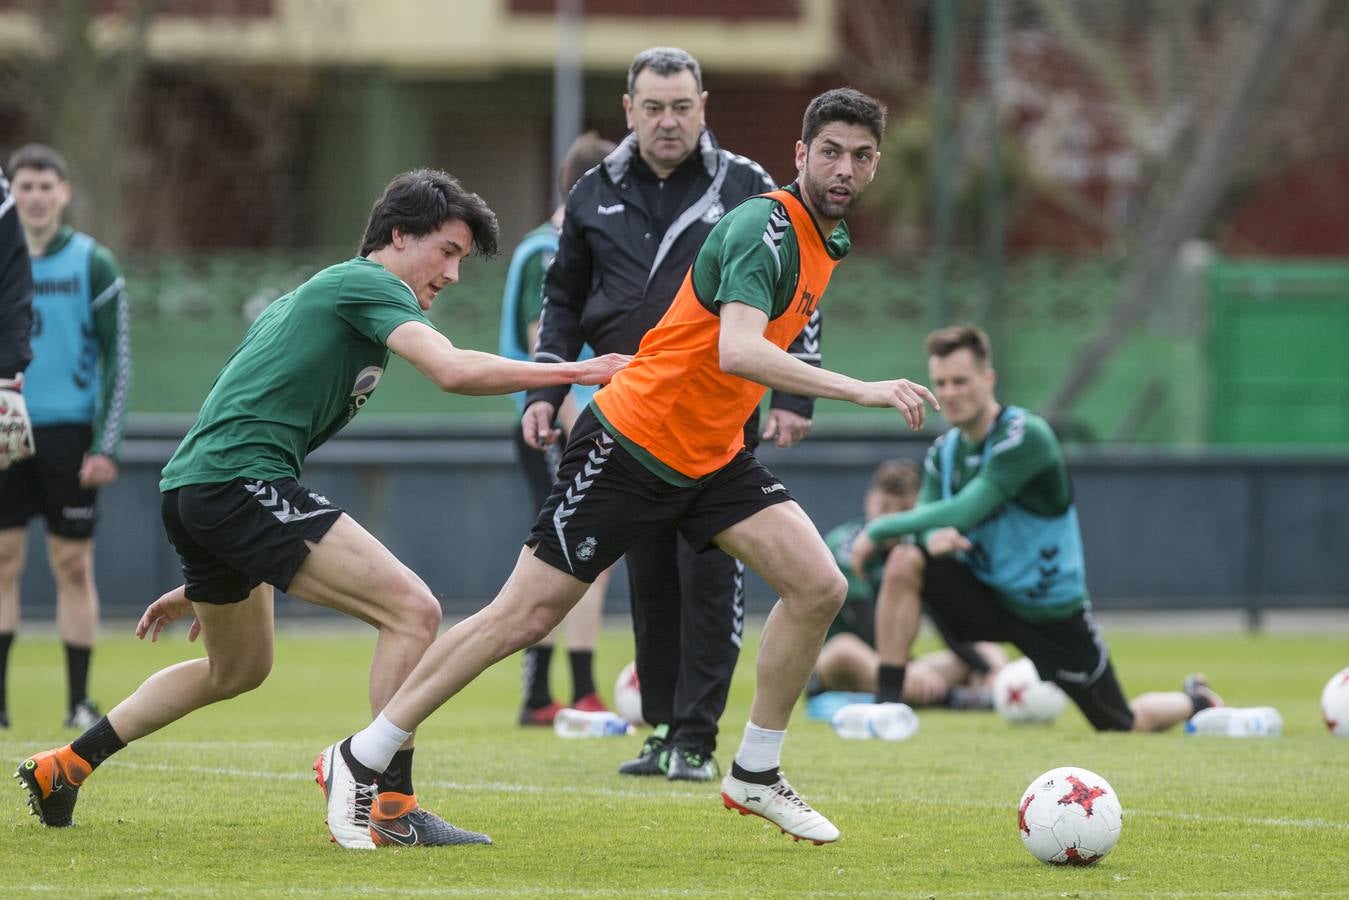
[1277, 32]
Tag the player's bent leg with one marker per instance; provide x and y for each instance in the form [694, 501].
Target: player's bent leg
[899, 604]
[847, 664]
[72, 564]
[13, 547]
[782, 545]
[238, 639]
[351, 571]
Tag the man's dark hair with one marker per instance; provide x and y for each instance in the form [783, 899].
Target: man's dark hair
[843, 105]
[40, 157]
[664, 61]
[586, 152]
[897, 477]
[945, 341]
[419, 202]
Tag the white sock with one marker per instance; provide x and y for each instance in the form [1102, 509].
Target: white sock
[760, 749]
[375, 746]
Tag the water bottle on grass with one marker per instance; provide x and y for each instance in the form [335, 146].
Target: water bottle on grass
[578, 723]
[887, 721]
[1236, 721]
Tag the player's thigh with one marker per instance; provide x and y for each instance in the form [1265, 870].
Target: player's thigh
[238, 636]
[961, 606]
[13, 547]
[349, 570]
[782, 545]
[1073, 654]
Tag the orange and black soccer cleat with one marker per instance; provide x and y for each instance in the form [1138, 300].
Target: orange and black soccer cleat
[52, 779]
[398, 821]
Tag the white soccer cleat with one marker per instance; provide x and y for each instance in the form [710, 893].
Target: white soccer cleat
[349, 801]
[779, 804]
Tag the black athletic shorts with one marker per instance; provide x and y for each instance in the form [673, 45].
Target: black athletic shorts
[233, 536]
[1070, 652]
[48, 484]
[604, 500]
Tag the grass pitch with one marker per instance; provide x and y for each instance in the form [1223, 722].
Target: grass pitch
[223, 803]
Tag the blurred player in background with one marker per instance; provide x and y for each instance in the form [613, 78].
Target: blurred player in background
[998, 555]
[522, 302]
[663, 446]
[16, 318]
[76, 388]
[631, 231]
[242, 522]
[959, 676]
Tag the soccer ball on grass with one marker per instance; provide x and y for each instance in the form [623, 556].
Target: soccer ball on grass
[1335, 703]
[1069, 817]
[628, 695]
[1022, 698]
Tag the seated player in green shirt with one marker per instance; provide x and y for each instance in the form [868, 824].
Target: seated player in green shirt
[997, 554]
[958, 676]
[242, 522]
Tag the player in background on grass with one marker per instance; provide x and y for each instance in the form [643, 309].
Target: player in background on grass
[633, 226]
[242, 522]
[663, 445]
[16, 318]
[521, 304]
[76, 389]
[998, 551]
[959, 676]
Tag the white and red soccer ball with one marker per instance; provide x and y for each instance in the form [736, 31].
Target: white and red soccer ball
[628, 695]
[1335, 703]
[1069, 817]
[1021, 697]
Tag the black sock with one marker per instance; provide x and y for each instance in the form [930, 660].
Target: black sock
[362, 773]
[741, 773]
[6, 640]
[77, 674]
[889, 683]
[582, 673]
[398, 777]
[537, 660]
[1199, 701]
[98, 743]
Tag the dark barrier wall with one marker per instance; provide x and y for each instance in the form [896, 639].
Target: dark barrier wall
[1161, 530]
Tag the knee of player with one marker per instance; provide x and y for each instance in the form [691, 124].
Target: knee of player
[240, 676]
[11, 563]
[417, 611]
[73, 566]
[828, 593]
[904, 563]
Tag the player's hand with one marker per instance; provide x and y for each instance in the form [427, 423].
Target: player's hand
[602, 368]
[537, 425]
[16, 430]
[946, 541]
[97, 470]
[863, 548]
[906, 396]
[785, 427]
[171, 606]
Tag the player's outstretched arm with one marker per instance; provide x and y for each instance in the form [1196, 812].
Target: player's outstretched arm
[744, 351]
[479, 374]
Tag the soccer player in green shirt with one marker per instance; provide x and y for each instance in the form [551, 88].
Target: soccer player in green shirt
[242, 522]
[998, 551]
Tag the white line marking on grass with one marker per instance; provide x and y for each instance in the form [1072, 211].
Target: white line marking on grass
[105, 890]
[505, 787]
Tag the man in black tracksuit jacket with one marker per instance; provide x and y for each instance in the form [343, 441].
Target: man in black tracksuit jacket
[631, 230]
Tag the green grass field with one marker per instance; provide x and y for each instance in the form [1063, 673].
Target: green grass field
[223, 804]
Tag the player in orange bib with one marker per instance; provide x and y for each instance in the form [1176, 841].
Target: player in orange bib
[663, 445]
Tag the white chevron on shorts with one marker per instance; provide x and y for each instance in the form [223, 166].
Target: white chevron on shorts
[280, 507]
[575, 492]
[738, 605]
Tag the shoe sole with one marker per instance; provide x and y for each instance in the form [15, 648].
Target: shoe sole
[727, 802]
[34, 792]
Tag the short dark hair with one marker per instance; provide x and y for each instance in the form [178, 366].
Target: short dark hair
[843, 105]
[896, 477]
[40, 157]
[419, 202]
[664, 61]
[945, 341]
[585, 153]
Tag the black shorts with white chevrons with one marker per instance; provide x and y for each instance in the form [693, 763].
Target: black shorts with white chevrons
[604, 499]
[238, 534]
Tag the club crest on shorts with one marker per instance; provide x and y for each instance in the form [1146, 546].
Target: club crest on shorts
[586, 549]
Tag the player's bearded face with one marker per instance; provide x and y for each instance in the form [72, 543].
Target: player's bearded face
[837, 166]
